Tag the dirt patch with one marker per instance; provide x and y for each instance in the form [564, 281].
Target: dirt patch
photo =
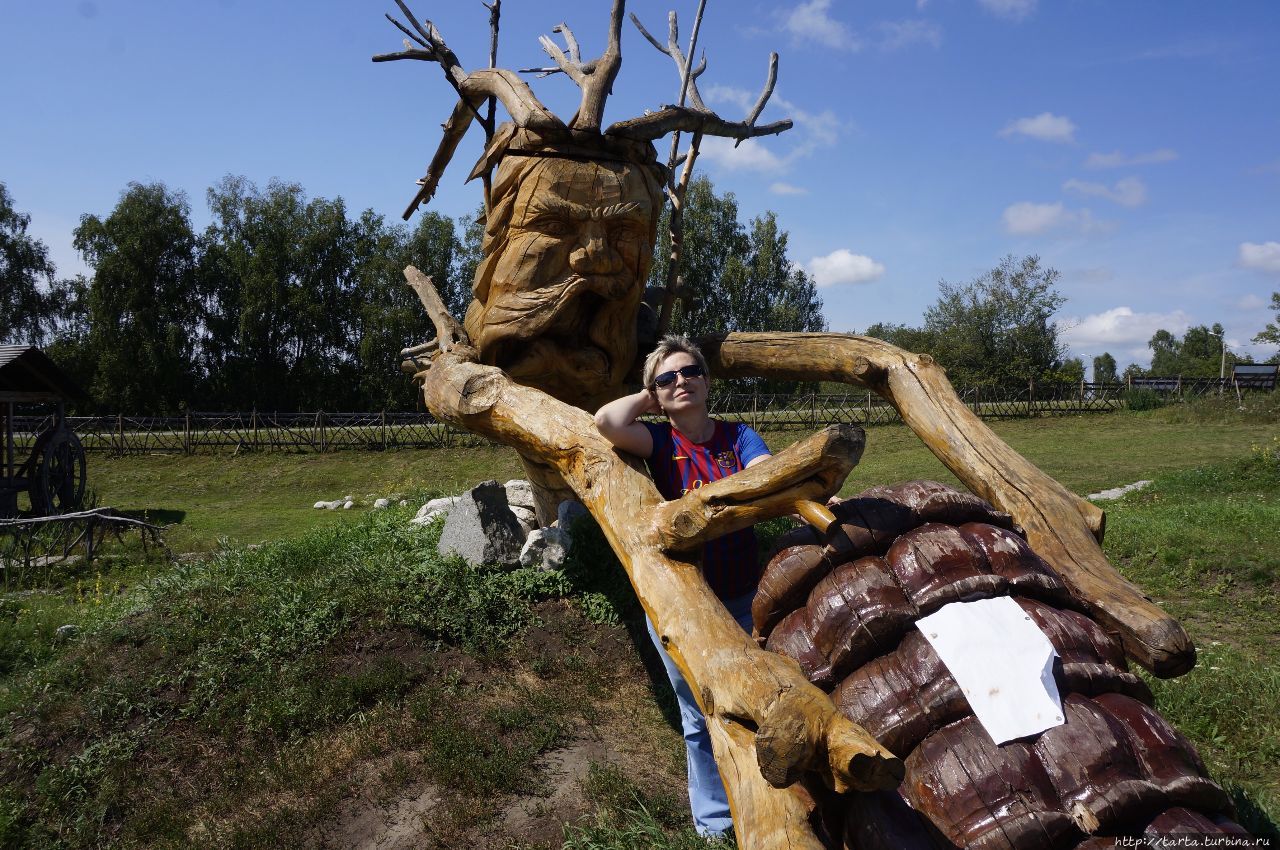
[616, 729]
[371, 822]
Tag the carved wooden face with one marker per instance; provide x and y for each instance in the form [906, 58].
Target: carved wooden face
[559, 289]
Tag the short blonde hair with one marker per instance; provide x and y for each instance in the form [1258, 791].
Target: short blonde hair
[667, 346]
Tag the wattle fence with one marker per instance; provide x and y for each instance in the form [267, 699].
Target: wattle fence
[323, 431]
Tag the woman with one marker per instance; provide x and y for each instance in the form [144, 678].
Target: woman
[687, 451]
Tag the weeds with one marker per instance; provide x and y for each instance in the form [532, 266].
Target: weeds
[248, 652]
[627, 818]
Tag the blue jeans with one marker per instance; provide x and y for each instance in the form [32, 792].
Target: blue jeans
[707, 798]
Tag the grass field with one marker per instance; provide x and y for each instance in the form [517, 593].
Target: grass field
[254, 498]
[344, 675]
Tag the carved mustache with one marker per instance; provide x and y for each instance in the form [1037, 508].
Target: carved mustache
[534, 311]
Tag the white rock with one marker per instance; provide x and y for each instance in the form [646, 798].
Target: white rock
[348, 505]
[568, 513]
[482, 529]
[1117, 492]
[424, 517]
[444, 503]
[334, 505]
[519, 493]
[404, 503]
[545, 549]
[382, 503]
[348, 498]
[67, 632]
[526, 517]
[319, 505]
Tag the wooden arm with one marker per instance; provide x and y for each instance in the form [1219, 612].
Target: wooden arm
[813, 468]
[1062, 527]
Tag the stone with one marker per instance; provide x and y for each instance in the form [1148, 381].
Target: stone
[519, 493]
[526, 517]
[381, 503]
[568, 513]
[348, 498]
[442, 504]
[481, 527]
[348, 505]
[1117, 492]
[67, 632]
[426, 517]
[545, 549]
[404, 503]
[320, 505]
[334, 505]
[434, 508]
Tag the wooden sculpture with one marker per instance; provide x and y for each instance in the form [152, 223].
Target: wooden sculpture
[571, 214]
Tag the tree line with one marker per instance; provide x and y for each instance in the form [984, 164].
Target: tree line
[286, 302]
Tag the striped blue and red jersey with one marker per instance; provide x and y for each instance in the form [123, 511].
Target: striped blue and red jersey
[730, 564]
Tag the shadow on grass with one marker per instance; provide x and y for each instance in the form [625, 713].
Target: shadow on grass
[156, 516]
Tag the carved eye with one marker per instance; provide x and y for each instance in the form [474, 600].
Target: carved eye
[552, 226]
[623, 230]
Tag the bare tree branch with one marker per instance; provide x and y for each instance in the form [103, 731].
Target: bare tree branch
[769, 83]
[688, 88]
[655, 125]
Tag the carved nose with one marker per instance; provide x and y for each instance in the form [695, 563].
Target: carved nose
[593, 255]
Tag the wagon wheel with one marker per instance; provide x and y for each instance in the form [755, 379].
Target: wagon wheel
[58, 483]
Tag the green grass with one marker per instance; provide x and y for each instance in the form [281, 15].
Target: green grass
[1203, 543]
[251, 498]
[628, 818]
[236, 700]
[258, 497]
[227, 680]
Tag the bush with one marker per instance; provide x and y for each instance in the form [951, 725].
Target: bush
[1143, 399]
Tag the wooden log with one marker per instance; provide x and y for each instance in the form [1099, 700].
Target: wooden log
[1062, 527]
[813, 468]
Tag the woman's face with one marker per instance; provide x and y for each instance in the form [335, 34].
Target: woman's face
[686, 394]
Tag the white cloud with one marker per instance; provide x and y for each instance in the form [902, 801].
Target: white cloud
[1119, 330]
[1026, 218]
[1116, 159]
[810, 22]
[1014, 10]
[780, 188]
[748, 156]
[1129, 192]
[1046, 127]
[1263, 258]
[844, 266]
[895, 35]
[1252, 301]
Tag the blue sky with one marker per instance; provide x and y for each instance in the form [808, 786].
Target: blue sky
[1135, 146]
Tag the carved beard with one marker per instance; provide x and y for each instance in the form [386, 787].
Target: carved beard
[574, 338]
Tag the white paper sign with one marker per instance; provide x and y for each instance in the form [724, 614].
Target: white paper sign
[1002, 662]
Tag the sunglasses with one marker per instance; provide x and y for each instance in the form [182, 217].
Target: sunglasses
[666, 379]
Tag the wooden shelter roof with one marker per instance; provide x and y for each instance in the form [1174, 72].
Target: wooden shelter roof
[27, 374]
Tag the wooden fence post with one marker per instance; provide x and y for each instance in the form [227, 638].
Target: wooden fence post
[120, 432]
[324, 439]
[186, 433]
[253, 422]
